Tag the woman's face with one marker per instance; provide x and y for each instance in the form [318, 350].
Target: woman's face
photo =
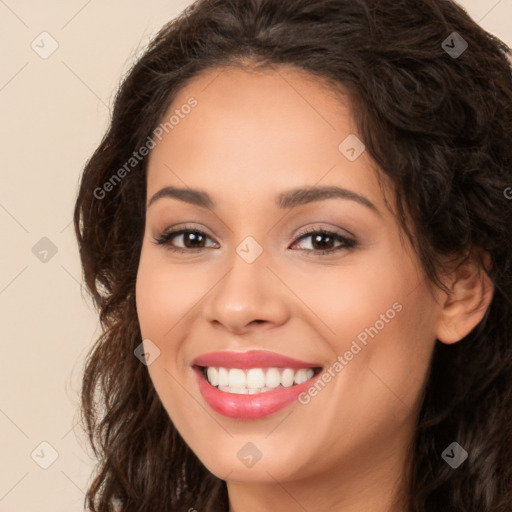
[252, 280]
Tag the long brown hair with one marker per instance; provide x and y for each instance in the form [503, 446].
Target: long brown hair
[439, 125]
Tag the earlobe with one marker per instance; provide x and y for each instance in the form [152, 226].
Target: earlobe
[471, 292]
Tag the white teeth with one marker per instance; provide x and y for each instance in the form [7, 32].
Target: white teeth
[223, 377]
[213, 376]
[272, 378]
[256, 380]
[287, 377]
[301, 376]
[236, 378]
[238, 391]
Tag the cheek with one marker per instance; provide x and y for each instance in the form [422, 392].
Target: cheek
[165, 294]
[346, 301]
[163, 297]
[380, 317]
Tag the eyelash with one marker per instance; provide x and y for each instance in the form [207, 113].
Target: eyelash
[164, 239]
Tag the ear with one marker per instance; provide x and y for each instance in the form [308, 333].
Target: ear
[471, 291]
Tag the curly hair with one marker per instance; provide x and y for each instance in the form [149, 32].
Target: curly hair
[438, 125]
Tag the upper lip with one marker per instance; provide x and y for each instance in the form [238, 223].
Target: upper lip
[250, 359]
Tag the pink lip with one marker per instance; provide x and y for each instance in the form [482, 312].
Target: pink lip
[250, 359]
[249, 407]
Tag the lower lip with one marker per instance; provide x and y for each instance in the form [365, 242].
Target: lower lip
[249, 407]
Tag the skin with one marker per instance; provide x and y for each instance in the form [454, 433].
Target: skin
[251, 136]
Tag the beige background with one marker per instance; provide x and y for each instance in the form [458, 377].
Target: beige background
[53, 113]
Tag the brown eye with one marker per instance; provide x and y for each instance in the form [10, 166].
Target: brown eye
[187, 240]
[322, 241]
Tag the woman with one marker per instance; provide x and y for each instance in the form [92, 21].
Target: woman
[298, 235]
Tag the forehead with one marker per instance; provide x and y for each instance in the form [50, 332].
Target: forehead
[258, 132]
[273, 84]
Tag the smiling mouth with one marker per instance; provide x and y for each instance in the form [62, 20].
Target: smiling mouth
[255, 380]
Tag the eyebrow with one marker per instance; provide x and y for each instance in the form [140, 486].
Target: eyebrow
[288, 199]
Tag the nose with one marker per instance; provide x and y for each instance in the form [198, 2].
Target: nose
[249, 296]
